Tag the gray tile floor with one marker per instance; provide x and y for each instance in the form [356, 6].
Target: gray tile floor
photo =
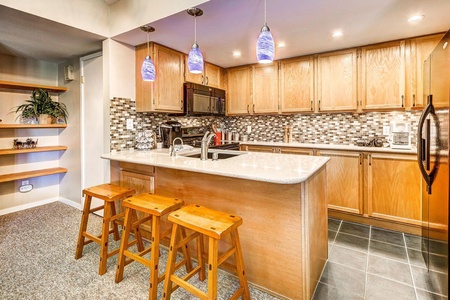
[366, 262]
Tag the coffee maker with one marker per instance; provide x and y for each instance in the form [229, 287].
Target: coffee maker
[399, 137]
[169, 131]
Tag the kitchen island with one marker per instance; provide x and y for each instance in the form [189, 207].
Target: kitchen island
[281, 199]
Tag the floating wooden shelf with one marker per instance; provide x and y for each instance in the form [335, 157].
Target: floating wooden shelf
[30, 86]
[24, 126]
[30, 174]
[31, 150]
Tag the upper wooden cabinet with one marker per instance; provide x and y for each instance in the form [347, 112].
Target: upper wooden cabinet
[297, 84]
[239, 90]
[165, 94]
[211, 75]
[265, 88]
[420, 49]
[383, 76]
[337, 81]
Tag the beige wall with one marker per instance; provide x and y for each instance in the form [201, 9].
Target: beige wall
[45, 188]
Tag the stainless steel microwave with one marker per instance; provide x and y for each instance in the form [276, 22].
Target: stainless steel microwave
[202, 100]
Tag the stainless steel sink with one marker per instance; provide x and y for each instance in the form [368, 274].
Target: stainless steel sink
[220, 155]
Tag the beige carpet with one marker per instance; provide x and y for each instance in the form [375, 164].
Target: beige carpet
[37, 248]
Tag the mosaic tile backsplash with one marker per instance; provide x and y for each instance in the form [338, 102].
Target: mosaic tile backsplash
[323, 128]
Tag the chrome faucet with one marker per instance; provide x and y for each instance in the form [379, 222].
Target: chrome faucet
[205, 144]
[172, 147]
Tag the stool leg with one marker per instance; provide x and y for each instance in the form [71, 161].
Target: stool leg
[104, 240]
[170, 263]
[201, 260]
[240, 264]
[114, 223]
[154, 274]
[83, 226]
[137, 233]
[123, 245]
[213, 258]
[185, 250]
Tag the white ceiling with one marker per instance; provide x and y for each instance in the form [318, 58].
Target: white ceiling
[304, 25]
[228, 25]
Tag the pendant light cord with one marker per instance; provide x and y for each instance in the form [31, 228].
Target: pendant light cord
[195, 28]
[148, 43]
[265, 12]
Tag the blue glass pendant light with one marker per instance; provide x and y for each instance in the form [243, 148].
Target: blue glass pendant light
[148, 67]
[265, 46]
[195, 58]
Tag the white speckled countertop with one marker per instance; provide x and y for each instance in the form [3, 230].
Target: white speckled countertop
[267, 167]
[333, 147]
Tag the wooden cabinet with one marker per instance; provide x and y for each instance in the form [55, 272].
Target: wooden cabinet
[383, 76]
[265, 88]
[420, 49]
[239, 90]
[393, 188]
[165, 94]
[211, 75]
[337, 81]
[345, 180]
[297, 85]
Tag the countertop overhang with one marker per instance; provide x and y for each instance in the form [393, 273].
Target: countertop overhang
[266, 167]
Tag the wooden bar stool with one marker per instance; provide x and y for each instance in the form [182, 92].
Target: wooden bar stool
[215, 225]
[156, 206]
[109, 193]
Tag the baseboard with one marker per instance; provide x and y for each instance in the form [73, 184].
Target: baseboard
[39, 203]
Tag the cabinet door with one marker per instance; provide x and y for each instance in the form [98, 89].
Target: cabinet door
[169, 79]
[337, 81]
[297, 85]
[239, 91]
[294, 150]
[212, 75]
[265, 88]
[393, 188]
[345, 181]
[383, 76]
[420, 49]
[191, 77]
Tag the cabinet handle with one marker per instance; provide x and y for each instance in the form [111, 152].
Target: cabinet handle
[370, 159]
[360, 158]
[253, 107]
[319, 104]
[414, 100]
[248, 108]
[203, 79]
[207, 80]
[312, 105]
[402, 100]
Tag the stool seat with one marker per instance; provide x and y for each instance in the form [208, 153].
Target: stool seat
[207, 221]
[108, 192]
[153, 204]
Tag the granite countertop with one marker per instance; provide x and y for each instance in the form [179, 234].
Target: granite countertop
[333, 147]
[266, 167]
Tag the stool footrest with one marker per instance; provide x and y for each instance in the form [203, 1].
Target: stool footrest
[226, 255]
[187, 240]
[92, 238]
[137, 223]
[96, 208]
[115, 217]
[190, 288]
[238, 294]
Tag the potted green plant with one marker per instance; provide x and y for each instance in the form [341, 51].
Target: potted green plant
[42, 107]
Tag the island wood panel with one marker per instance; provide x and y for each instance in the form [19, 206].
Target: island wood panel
[345, 180]
[383, 76]
[297, 84]
[286, 259]
[337, 81]
[393, 191]
[265, 88]
[239, 90]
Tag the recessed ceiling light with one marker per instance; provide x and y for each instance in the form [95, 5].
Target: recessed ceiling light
[236, 53]
[281, 45]
[415, 18]
[337, 33]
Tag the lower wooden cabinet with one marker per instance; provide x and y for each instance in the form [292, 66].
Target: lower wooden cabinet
[393, 188]
[345, 180]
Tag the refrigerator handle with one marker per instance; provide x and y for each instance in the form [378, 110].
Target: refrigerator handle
[423, 144]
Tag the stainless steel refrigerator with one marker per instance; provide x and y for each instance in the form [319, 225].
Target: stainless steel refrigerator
[433, 154]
